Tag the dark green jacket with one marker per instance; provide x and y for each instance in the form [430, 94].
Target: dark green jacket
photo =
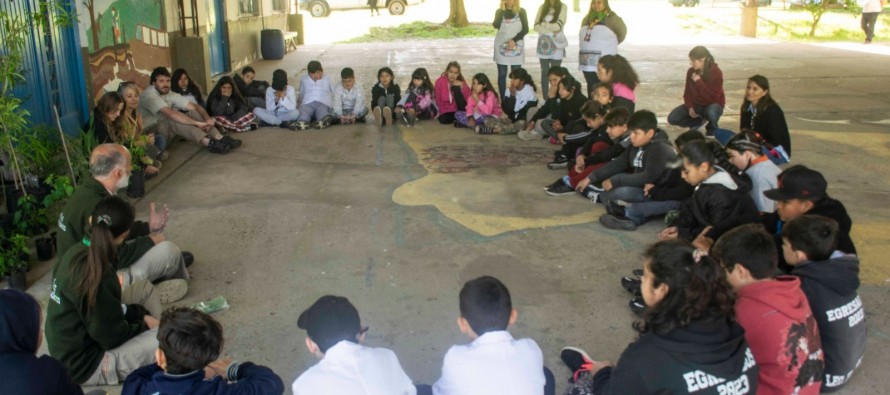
[79, 338]
[75, 217]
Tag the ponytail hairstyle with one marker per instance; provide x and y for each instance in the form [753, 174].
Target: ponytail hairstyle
[765, 101]
[547, 6]
[710, 152]
[622, 71]
[455, 64]
[111, 218]
[483, 80]
[523, 75]
[697, 288]
[569, 83]
[701, 52]
[422, 74]
[592, 109]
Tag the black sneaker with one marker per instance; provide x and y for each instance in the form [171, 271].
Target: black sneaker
[560, 189]
[555, 184]
[188, 258]
[577, 360]
[325, 122]
[614, 209]
[591, 193]
[230, 142]
[631, 284]
[482, 129]
[637, 305]
[615, 222]
[638, 273]
[559, 162]
[217, 147]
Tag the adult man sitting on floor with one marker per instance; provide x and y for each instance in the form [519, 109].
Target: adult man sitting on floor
[146, 255]
[170, 113]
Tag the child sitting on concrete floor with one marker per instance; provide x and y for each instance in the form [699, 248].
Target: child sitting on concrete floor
[745, 154]
[830, 279]
[482, 367]
[347, 367]
[349, 100]
[779, 326]
[316, 98]
[189, 343]
[804, 191]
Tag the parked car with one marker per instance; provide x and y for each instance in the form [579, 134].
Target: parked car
[681, 3]
[319, 8]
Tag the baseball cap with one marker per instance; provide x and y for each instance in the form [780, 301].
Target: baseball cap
[799, 182]
[329, 320]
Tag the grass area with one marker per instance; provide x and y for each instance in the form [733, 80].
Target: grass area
[424, 31]
[785, 25]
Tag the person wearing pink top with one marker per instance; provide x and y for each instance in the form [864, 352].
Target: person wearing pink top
[483, 104]
[451, 93]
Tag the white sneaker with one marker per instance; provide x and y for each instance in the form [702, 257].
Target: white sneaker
[529, 135]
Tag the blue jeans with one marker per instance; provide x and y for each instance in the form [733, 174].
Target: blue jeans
[160, 142]
[638, 212]
[711, 113]
[502, 77]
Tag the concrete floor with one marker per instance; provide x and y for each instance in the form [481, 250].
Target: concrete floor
[397, 219]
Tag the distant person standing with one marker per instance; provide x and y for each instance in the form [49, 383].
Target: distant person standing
[552, 40]
[601, 32]
[512, 24]
[870, 11]
[373, 5]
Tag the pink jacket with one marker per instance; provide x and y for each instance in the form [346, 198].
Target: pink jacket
[444, 100]
[489, 105]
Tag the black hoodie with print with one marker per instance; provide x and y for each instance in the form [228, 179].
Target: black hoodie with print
[830, 287]
[722, 202]
[826, 207]
[706, 357]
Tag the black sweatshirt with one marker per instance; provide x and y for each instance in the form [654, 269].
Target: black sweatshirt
[706, 357]
[378, 91]
[830, 287]
[827, 207]
[771, 125]
[638, 166]
[229, 107]
[720, 202]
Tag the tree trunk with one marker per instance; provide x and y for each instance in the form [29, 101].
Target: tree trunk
[458, 15]
[94, 28]
[816, 19]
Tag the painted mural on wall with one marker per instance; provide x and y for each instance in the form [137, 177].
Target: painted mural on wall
[124, 40]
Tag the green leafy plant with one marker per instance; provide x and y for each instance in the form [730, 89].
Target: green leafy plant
[30, 219]
[61, 189]
[12, 254]
[79, 149]
[817, 8]
[137, 151]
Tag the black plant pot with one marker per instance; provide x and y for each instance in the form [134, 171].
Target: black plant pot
[136, 189]
[17, 281]
[12, 198]
[6, 224]
[45, 248]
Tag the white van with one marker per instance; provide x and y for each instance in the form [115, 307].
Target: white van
[318, 8]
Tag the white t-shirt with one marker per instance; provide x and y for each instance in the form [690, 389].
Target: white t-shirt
[494, 363]
[871, 6]
[764, 176]
[350, 368]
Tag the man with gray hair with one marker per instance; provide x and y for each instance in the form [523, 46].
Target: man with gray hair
[146, 255]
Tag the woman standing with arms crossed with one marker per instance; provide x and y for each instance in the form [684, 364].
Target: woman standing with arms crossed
[552, 40]
[512, 24]
[601, 32]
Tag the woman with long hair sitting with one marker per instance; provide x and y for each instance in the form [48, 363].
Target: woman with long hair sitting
[226, 105]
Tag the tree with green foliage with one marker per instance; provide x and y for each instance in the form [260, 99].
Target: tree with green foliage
[817, 8]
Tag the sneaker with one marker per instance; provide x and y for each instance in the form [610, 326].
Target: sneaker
[591, 193]
[301, 125]
[378, 117]
[163, 155]
[230, 142]
[555, 184]
[560, 189]
[482, 129]
[387, 116]
[615, 222]
[529, 135]
[638, 273]
[702, 126]
[217, 147]
[403, 118]
[188, 258]
[637, 305]
[632, 285]
[560, 162]
[578, 362]
[325, 122]
[253, 127]
[554, 141]
[170, 291]
[457, 124]
[614, 209]
[412, 119]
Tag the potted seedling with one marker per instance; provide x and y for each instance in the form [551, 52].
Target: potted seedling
[136, 188]
[31, 220]
[14, 257]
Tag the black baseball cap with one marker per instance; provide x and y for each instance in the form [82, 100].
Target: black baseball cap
[329, 320]
[799, 182]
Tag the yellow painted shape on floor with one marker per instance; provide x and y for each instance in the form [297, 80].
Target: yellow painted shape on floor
[873, 245]
[463, 197]
[874, 143]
